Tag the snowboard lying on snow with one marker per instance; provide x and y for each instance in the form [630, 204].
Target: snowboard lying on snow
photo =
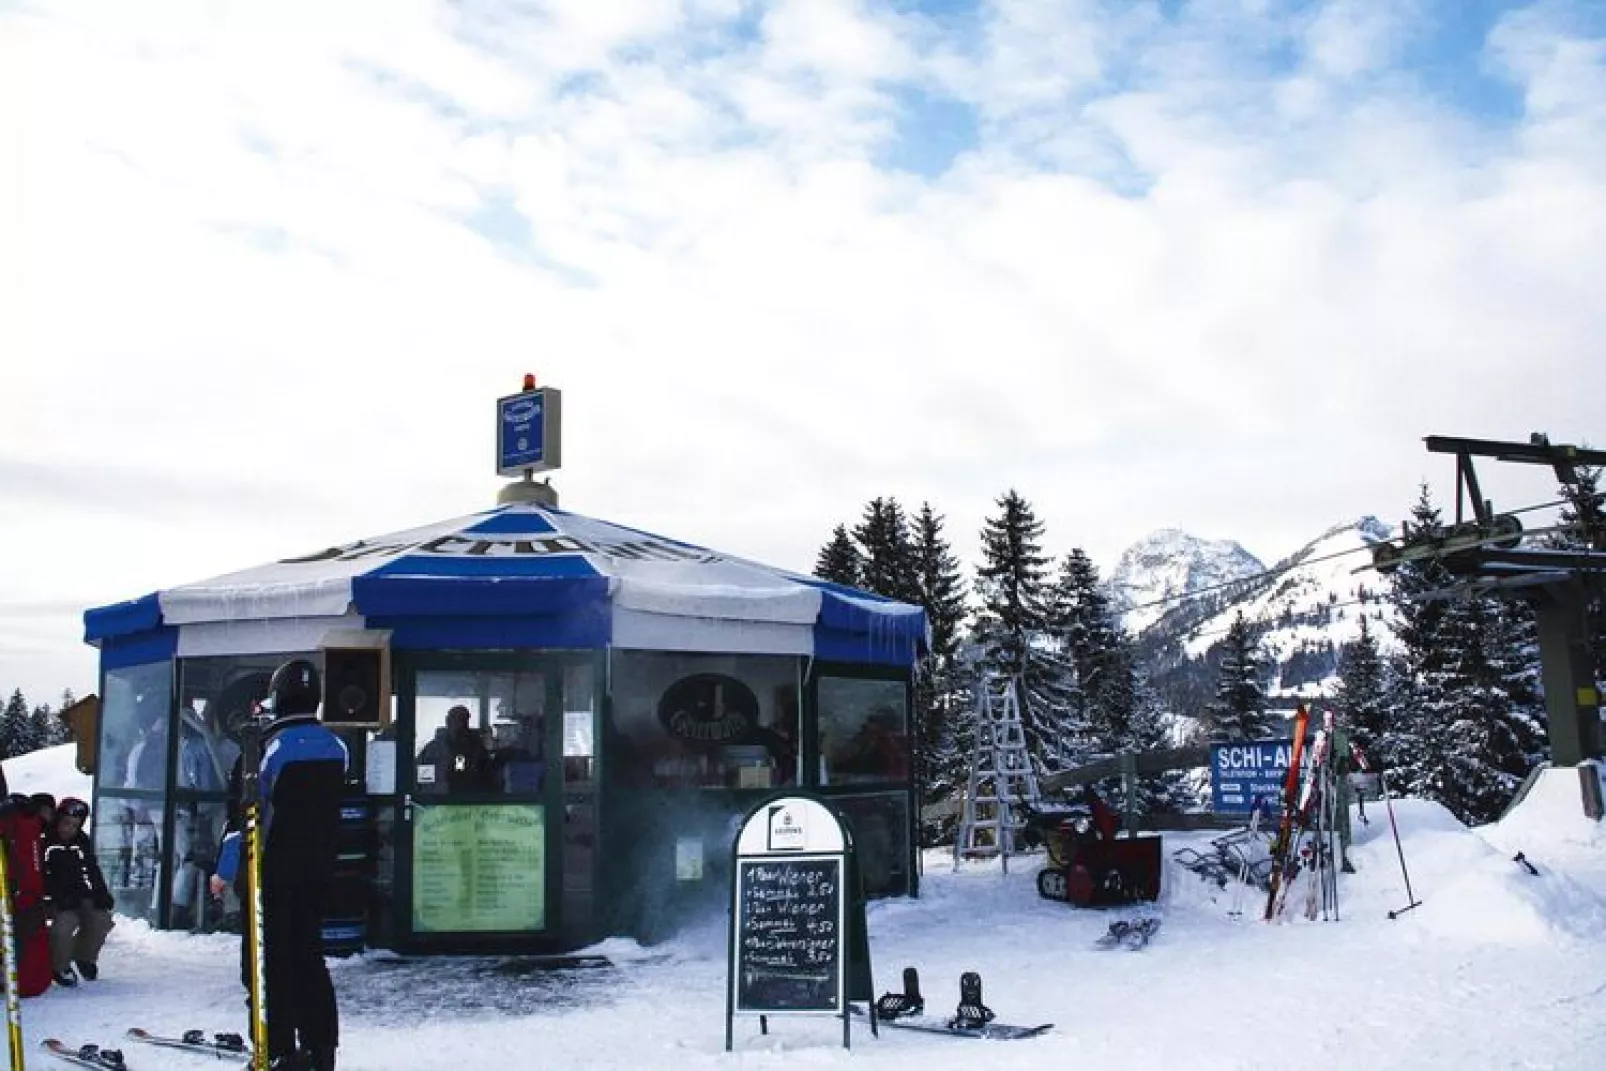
[972, 1019]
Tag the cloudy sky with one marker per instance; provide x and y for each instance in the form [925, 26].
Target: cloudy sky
[1210, 264]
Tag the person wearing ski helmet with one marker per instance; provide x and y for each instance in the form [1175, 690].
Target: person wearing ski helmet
[302, 780]
[79, 898]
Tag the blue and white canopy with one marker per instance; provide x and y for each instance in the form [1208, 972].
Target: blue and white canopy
[519, 576]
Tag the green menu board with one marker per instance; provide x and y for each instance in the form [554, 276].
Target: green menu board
[479, 868]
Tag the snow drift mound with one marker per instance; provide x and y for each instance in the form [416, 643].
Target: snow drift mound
[1550, 824]
[1468, 883]
[48, 770]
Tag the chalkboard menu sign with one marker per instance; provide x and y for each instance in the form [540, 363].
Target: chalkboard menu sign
[797, 940]
[790, 926]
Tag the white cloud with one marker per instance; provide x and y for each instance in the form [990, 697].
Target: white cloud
[1178, 280]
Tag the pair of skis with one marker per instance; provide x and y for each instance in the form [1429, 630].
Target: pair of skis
[1130, 934]
[971, 1019]
[221, 1047]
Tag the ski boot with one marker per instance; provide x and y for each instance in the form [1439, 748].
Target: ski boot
[902, 1005]
[112, 1058]
[971, 1014]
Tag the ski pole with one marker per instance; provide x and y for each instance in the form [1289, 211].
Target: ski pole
[255, 927]
[1523, 859]
[8, 934]
[1335, 854]
[1388, 802]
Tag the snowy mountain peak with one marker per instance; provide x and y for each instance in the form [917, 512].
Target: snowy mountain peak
[1304, 608]
[1169, 563]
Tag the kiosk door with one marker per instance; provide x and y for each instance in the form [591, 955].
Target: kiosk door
[481, 838]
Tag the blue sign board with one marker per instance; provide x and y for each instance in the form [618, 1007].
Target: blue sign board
[528, 431]
[1242, 772]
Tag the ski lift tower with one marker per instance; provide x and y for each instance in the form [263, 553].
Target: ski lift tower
[1001, 775]
[1484, 552]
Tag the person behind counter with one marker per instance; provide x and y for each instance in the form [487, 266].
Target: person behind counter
[456, 760]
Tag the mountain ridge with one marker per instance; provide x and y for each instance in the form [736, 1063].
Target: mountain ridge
[1306, 608]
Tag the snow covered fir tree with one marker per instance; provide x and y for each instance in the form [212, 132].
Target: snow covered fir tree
[25, 729]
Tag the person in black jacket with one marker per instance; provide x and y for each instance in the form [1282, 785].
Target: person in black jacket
[457, 759]
[79, 899]
[302, 780]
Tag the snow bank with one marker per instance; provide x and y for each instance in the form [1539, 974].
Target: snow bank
[1469, 885]
[49, 770]
[1550, 823]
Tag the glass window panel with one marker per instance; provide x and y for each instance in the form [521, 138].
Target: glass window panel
[495, 745]
[197, 837]
[579, 798]
[880, 825]
[134, 720]
[128, 843]
[384, 876]
[864, 730]
[703, 721]
[216, 698]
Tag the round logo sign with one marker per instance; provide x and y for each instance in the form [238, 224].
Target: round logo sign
[708, 708]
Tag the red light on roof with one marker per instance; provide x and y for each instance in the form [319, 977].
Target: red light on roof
[529, 381]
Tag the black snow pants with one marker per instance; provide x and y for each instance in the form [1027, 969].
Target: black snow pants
[301, 999]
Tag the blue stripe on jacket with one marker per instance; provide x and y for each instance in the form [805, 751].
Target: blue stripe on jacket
[290, 740]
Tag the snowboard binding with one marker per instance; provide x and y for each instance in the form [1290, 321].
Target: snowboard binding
[902, 1005]
[971, 1014]
[94, 1054]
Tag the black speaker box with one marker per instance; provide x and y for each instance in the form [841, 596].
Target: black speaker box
[356, 686]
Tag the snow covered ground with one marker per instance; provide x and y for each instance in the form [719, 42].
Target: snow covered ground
[1496, 969]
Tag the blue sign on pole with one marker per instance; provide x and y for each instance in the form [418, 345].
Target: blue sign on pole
[1242, 772]
[528, 431]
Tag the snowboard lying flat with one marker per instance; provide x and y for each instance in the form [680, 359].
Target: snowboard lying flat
[990, 1032]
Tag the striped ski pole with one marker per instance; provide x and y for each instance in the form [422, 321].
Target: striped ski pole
[256, 954]
[8, 935]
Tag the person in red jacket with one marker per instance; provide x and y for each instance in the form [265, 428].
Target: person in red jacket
[22, 832]
[78, 895]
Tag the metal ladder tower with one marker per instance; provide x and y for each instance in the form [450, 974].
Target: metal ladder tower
[1001, 775]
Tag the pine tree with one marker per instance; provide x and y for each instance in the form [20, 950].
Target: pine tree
[1361, 695]
[1411, 746]
[1012, 588]
[42, 727]
[1584, 505]
[839, 560]
[16, 732]
[1479, 761]
[941, 697]
[1080, 622]
[1162, 793]
[1512, 652]
[887, 553]
[1238, 711]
